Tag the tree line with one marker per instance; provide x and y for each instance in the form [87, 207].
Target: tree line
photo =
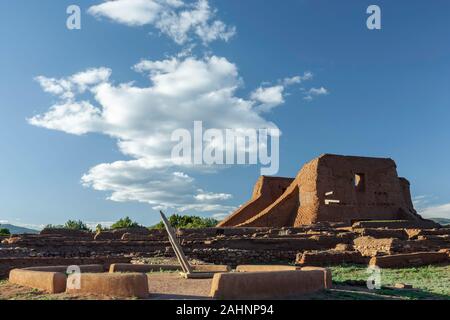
[177, 221]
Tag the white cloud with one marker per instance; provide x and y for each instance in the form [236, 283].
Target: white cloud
[422, 201]
[315, 92]
[93, 224]
[142, 120]
[90, 77]
[220, 216]
[297, 79]
[268, 98]
[131, 12]
[75, 118]
[427, 206]
[174, 18]
[437, 211]
[213, 196]
[68, 88]
[318, 91]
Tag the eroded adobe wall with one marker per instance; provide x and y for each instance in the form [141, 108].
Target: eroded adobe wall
[266, 191]
[380, 194]
[284, 211]
[279, 214]
[308, 210]
[331, 188]
[323, 243]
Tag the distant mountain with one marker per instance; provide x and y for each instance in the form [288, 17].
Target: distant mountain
[17, 230]
[441, 221]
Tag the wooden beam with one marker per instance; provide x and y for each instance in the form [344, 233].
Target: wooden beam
[176, 246]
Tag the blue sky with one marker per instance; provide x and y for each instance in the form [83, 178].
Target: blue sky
[386, 95]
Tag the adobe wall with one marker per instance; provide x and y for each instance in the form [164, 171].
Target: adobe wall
[266, 191]
[381, 194]
[332, 188]
[267, 285]
[280, 213]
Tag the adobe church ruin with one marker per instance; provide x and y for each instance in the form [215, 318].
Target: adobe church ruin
[331, 188]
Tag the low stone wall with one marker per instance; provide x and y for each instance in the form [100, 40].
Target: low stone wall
[269, 268]
[127, 285]
[328, 278]
[235, 257]
[330, 258]
[383, 233]
[53, 280]
[409, 260]
[50, 282]
[370, 247]
[7, 264]
[67, 233]
[398, 224]
[146, 268]
[266, 285]
[265, 268]
[117, 234]
[224, 246]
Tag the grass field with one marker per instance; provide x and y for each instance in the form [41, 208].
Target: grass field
[430, 282]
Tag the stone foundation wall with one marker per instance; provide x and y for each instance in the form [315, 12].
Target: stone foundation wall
[7, 264]
[224, 246]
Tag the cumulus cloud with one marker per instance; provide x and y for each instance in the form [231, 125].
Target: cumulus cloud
[75, 118]
[68, 88]
[268, 98]
[179, 20]
[142, 120]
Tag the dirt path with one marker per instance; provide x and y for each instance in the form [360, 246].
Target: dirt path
[171, 286]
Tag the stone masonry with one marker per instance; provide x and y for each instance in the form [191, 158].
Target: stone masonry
[331, 188]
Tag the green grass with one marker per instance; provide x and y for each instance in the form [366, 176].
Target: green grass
[427, 281]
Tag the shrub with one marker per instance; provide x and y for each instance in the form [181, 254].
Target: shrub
[70, 225]
[188, 222]
[76, 225]
[99, 228]
[125, 223]
[5, 232]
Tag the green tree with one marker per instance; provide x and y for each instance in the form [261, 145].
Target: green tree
[125, 223]
[188, 222]
[5, 232]
[76, 225]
